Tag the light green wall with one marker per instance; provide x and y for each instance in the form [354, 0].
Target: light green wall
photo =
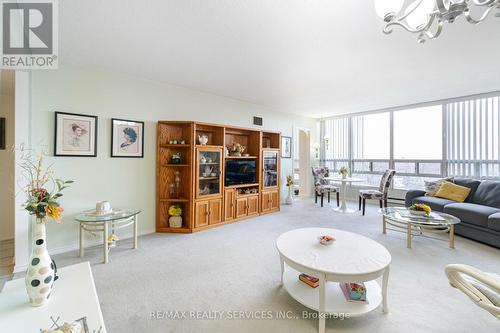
[126, 182]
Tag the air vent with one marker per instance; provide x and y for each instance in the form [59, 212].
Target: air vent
[257, 121]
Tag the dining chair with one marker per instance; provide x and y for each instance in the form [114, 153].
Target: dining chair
[322, 185]
[380, 194]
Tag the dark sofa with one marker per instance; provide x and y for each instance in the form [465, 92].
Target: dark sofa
[479, 213]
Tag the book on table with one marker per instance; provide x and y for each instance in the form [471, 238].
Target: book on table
[354, 292]
[311, 281]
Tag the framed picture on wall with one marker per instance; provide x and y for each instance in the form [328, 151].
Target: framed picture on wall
[75, 135]
[127, 138]
[286, 147]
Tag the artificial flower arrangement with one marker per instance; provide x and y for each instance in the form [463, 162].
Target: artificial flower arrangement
[344, 171]
[235, 149]
[419, 207]
[175, 210]
[175, 220]
[40, 202]
[112, 239]
[289, 181]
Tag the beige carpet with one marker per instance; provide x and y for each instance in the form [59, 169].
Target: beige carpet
[236, 268]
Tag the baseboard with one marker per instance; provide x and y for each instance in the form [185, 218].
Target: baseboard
[76, 246]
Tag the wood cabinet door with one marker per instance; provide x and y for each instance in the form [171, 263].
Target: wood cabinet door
[201, 209]
[275, 199]
[215, 211]
[266, 202]
[253, 205]
[241, 207]
[229, 204]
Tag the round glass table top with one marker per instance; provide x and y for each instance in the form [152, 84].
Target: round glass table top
[118, 214]
[403, 215]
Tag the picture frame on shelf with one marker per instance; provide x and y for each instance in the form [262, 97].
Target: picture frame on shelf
[286, 147]
[75, 135]
[127, 138]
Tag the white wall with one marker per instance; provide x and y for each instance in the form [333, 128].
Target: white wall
[126, 182]
[7, 170]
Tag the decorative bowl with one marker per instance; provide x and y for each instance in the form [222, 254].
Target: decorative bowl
[418, 212]
[326, 240]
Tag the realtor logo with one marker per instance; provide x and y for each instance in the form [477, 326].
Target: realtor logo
[29, 34]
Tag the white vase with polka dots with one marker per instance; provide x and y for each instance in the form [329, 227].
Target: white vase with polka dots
[41, 271]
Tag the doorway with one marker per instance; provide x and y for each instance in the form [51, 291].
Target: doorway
[302, 162]
[7, 172]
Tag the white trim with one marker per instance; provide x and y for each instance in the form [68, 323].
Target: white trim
[22, 138]
[75, 246]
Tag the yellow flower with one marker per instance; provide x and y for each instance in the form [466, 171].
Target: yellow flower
[112, 238]
[175, 210]
[54, 212]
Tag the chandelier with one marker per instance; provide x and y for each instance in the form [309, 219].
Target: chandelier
[426, 17]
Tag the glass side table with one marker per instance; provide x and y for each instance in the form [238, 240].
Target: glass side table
[415, 225]
[91, 222]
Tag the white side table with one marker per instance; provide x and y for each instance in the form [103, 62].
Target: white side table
[351, 258]
[91, 222]
[343, 207]
[74, 298]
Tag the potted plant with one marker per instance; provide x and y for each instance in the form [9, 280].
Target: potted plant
[42, 192]
[112, 239]
[235, 149]
[420, 209]
[289, 184]
[175, 220]
[344, 172]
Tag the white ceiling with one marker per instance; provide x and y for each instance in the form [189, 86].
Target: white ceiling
[309, 57]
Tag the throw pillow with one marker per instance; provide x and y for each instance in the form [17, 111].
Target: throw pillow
[452, 191]
[432, 186]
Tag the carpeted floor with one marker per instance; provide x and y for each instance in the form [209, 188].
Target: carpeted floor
[236, 268]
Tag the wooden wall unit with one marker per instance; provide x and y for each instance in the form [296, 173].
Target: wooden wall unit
[205, 200]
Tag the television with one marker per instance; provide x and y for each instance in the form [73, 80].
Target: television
[238, 172]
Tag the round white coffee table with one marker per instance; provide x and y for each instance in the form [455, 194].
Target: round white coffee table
[351, 258]
[343, 206]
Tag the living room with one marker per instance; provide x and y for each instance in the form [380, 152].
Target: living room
[213, 166]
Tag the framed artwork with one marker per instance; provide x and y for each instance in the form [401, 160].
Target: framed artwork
[286, 147]
[75, 135]
[127, 138]
[2, 133]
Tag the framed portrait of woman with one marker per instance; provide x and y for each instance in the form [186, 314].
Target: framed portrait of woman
[75, 135]
[127, 138]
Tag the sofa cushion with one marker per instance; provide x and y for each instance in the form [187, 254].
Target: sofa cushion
[488, 194]
[432, 186]
[470, 183]
[433, 202]
[452, 191]
[471, 213]
[494, 222]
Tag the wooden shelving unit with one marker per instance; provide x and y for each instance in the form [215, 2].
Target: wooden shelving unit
[204, 199]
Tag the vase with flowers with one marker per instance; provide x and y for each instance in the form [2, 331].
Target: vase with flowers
[41, 203]
[235, 149]
[289, 184]
[175, 219]
[344, 172]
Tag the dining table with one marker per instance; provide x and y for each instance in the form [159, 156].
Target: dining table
[343, 192]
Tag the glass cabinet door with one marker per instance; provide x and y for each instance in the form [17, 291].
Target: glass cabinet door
[270, 168]
[208, 172]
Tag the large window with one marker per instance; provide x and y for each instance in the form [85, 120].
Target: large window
[472, 140]
[459, 138]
